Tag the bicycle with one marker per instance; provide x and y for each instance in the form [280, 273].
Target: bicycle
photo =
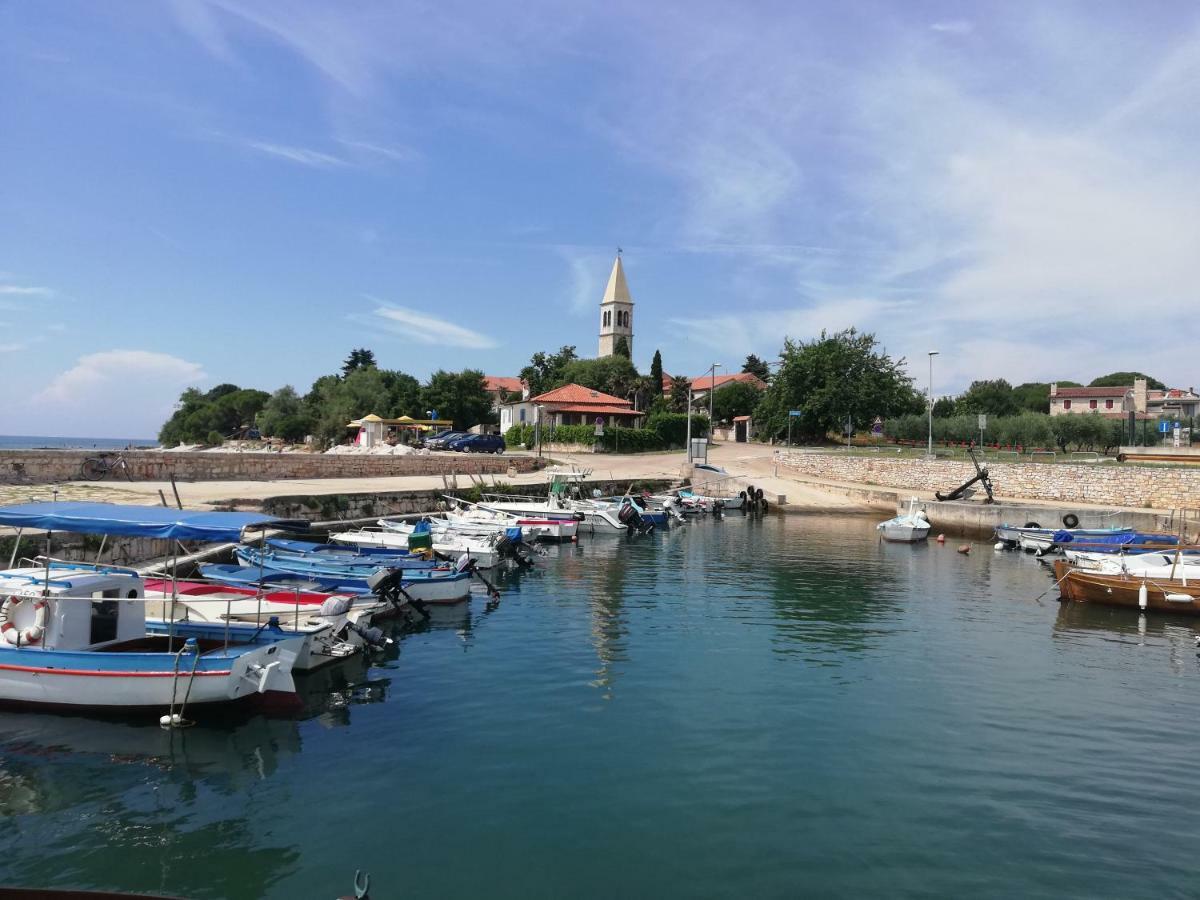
[95, 468]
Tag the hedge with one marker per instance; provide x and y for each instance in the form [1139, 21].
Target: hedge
[1031, 430]
[662, 432]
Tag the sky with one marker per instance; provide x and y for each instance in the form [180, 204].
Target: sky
[208, 191]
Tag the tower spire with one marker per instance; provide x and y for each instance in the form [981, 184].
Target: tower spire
[616, 311]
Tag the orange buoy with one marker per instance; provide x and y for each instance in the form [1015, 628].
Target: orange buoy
[941, 539]
[964, 548]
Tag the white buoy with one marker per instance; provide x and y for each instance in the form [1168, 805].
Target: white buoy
[164, 721]
[1143, 596]
[177, 719]
[999, 545]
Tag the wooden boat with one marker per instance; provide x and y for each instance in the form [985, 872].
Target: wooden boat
[1142, 592]
[75, 636]
[910, 527]
[428, 586]
[79, 639]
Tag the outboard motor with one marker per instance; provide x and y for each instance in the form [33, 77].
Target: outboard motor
[511, 545]
[386, 584]
[632, 519]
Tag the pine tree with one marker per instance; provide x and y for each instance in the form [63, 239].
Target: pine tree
[656, 374]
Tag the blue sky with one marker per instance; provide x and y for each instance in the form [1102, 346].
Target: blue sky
[198, 192]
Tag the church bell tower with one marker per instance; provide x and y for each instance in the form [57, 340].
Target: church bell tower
[616, 311]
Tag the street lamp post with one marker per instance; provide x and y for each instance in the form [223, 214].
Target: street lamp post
[932, 354]
[712, 387]
[689, 426]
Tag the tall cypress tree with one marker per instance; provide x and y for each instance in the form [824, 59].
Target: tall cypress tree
[621, 347]
[656, 374]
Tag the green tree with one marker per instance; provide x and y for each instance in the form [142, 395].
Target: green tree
[681, 389]
[223, 410]
[756, 366]
[611, 374]
[285, 416]
[943, 407]
[831, 378]
[737, 398]
[656, 374]
[545, 370]
[992, 397]
[1033, 396]
[1124, 379]
[359, 358]
[460, 396]
[621, 347]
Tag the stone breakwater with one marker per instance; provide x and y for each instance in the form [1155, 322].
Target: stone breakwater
[53, 466]
[1106, 484]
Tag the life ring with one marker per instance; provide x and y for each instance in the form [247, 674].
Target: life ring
[1070, 520]
[9, 632]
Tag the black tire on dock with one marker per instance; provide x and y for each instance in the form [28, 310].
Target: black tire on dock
[1032, 525]
[1070, 520]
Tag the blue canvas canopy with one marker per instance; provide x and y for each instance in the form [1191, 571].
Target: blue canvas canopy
[140, 521]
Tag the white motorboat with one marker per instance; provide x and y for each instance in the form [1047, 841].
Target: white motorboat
[910, 527]
[446, 543]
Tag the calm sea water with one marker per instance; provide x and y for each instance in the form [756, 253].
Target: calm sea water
[41, 442]
[737, 708]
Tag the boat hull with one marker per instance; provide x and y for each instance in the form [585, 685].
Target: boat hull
[1162, 594]
[94, 679]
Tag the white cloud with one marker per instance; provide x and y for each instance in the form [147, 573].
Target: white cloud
[17, 290]
[11, 348]
[953, 26]
[301, 155]
[388, 152]
[426, 329]
[115, 392]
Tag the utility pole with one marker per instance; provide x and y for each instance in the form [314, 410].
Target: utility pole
[712, 387]
[929, 451]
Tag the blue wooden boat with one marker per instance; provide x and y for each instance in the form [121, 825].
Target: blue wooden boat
[1123, 542]
[443, 586]
[331, 564]
[310, 548]
[76, 636]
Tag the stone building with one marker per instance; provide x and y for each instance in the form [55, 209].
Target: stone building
[616, 312]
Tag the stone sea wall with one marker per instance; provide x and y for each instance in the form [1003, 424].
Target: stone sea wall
[53, 466]
[1108, 484]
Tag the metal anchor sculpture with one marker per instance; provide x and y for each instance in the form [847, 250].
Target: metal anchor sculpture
[981, 475]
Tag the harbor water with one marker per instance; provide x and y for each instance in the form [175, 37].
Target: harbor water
[771, 708]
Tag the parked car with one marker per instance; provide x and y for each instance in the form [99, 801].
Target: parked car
[478, 443]
[439, 441]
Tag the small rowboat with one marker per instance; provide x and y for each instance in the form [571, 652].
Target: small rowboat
[911, 527]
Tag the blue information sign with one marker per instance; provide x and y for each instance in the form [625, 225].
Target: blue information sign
[1164, 427]
[794, 412]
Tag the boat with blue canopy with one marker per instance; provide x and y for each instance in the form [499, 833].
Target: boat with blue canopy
[75, 635]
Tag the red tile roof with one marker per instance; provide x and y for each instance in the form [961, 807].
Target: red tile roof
[578, 394]
[1073, 392]
[508, 383]
[591, 410]
[704, 382]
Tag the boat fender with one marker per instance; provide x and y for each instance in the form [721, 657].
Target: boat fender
[10, 634]
[999, 545]
[1070, 520]
[758, 495]
[1032, 525]
[742, 494]
[1143, 596]
[941, 539]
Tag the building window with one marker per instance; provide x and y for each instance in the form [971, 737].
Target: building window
[522, 415]
[1092, 404]
[1066, 404]
[1108, 404]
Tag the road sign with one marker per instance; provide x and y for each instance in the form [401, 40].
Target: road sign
[794, 412]
[982, 421]
[1164, 427]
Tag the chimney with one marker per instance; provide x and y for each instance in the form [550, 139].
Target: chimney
[1053, 389]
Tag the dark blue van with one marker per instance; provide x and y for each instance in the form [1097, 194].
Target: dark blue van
[478, 443]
